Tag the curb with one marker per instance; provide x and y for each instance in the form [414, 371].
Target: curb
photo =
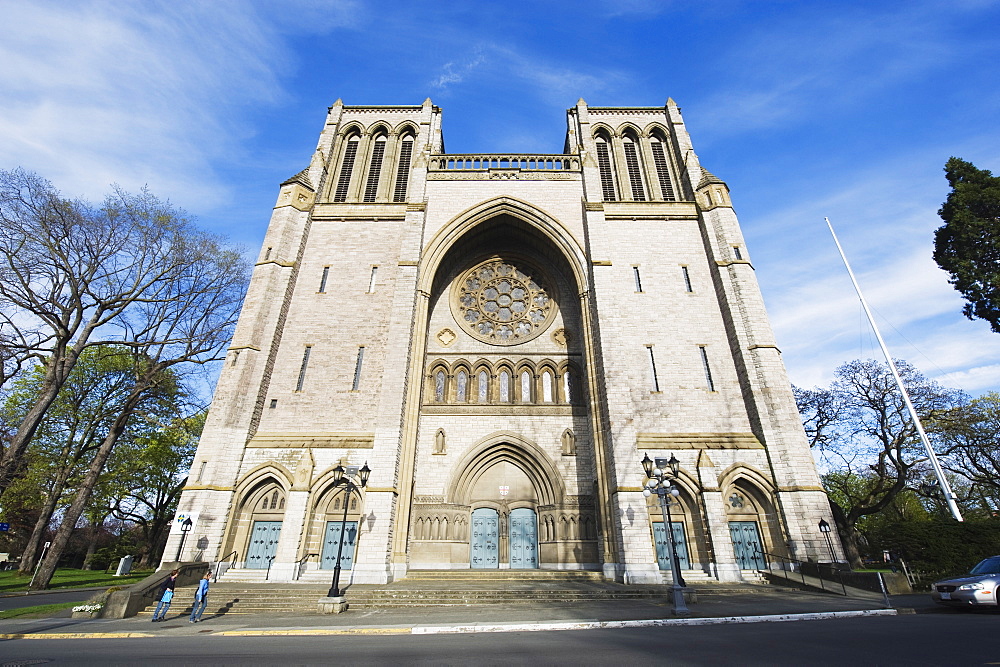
[472, 629]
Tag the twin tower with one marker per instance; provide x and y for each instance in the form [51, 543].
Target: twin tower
[502, 338]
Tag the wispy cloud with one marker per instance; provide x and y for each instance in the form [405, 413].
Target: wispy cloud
[452, 73]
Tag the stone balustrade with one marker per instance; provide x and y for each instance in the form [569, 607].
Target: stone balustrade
[486, 161]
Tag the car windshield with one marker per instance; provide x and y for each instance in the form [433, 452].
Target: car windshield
[989, 566]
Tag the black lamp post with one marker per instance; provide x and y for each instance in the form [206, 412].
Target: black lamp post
[824, 528]
[661, 482]
[185, 529]
[339, 478]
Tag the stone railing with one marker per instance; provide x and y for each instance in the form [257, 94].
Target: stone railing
[487, 161]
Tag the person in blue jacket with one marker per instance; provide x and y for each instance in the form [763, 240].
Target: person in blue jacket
[200, 598]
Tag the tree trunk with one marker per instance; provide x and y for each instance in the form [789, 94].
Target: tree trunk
[848, 537]
[60, 365]
[32, 549]
[91, 548]
[82, 497]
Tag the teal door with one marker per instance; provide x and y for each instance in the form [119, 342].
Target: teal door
[263, 543]
[331, 543]
[485, 551]
[523, 539]
[663, 546]
[746, 544]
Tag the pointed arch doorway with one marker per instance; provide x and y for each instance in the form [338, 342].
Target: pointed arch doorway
[504, 519]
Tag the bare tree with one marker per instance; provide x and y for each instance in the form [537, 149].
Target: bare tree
[73, 276]
[866, 440]
[185, 321]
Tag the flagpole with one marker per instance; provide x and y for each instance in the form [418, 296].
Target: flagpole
[949, 495]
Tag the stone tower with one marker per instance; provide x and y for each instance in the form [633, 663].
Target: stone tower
[502, 337]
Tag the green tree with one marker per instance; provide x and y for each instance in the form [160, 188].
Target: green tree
[862, 432]
[971, 436]
[967, 246]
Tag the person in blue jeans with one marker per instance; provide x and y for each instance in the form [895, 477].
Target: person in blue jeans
[166, 595]
[200, 598]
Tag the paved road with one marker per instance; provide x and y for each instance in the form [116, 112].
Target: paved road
[20, 600]
[915, 639]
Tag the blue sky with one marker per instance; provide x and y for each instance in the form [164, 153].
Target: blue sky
[806, 109]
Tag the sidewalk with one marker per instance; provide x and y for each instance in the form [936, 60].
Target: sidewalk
[749, 608]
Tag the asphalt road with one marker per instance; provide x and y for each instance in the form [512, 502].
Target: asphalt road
[20, 600]
[920, 639]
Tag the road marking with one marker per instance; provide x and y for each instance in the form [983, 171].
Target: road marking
[78, 635]
[315, 631]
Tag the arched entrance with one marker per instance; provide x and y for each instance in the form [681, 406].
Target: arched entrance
[751, 528]
[258, 524]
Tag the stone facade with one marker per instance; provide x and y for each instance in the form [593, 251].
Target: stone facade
[502, 338]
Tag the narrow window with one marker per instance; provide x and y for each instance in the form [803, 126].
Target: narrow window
[371, 280]
[662, 172]
[736, 252]
[567, 387]
[652, 368]
[504, 387]
[526, 387]
[634, 173]
[483, 390]
[302, 369]
[604, 166]
[708, 370]
[346, 168]
[201, 470]
[439, 386]
[375, 169]
[638, 279]
[403, 170]
[687, 279]
[357, 368]
[267, 254]
[461, 385]
[547, 387]
[274, 403]
[322, 281]
[236, 357]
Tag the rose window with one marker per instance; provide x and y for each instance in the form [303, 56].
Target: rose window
[500, 303]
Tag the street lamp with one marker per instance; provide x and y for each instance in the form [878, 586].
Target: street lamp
[661, 482]
[339, 478]
[185, 529]
[824, 528]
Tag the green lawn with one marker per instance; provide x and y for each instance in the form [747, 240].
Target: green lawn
[39, 611]
[71, 578]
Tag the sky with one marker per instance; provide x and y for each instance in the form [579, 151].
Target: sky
[846, 110]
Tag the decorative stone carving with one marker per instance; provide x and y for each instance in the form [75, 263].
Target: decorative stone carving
[439, 442]
[568, 443]
[446, 337]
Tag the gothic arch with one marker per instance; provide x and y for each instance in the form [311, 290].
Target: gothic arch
[558, 236]
[279, 473]
[512, 448]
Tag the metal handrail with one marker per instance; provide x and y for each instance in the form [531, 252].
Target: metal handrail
[270, 561]
[224, 559]
[301, 565]
[819, 573]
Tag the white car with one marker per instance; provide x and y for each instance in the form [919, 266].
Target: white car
[979, 588]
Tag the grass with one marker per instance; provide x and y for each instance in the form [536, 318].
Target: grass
[39, 611]
[70, 578]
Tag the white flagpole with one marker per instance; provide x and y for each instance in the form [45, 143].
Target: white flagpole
[949, 495]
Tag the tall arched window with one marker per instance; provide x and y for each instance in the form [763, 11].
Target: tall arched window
[483, 390]
[403, 169]
[525, 387]
[546, 387]
[439, 386]
[461, 386]
[504, 387]
[567, 386]
[346, 169]
[634, 171]
[375, 169]
[604, 166]
[662, 170]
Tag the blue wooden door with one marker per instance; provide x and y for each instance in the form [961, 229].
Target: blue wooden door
[523, 539]
[485, 547]
[331, 543]
[263, 543]
[663, 546]
[746, 544]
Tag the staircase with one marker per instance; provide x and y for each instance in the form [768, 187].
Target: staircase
[439, 588]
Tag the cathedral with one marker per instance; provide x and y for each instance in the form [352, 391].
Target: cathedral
[498, 340]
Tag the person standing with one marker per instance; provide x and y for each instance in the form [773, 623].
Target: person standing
[166, 595]
[200, 598]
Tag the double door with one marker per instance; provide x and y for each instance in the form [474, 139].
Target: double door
[331, 544]
[263, 544]
[522, 539]
[747, 545]
[663, 545]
